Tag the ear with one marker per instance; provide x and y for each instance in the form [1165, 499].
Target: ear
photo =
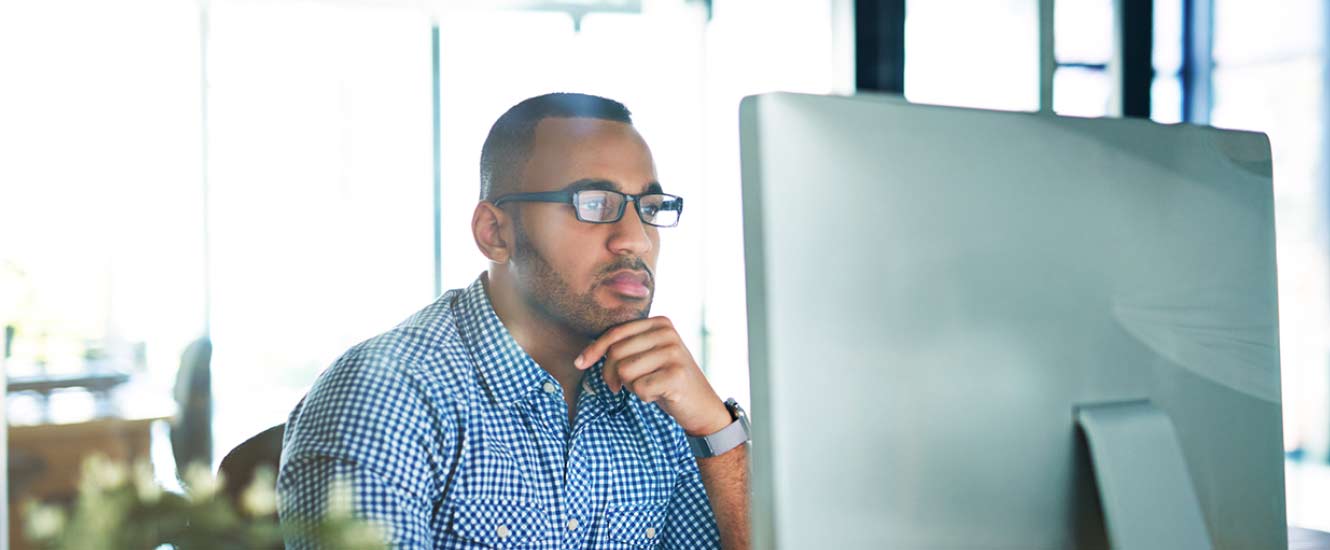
[493, 231]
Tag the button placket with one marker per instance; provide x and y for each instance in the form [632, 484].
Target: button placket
[574, 532]
[553, 412]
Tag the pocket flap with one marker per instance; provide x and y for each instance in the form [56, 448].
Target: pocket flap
[639, 524]
[500, 521]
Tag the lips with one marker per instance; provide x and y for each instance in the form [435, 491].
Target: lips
[631, 284]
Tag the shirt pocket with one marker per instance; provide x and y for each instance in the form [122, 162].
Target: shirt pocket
[636, 525]
[497, 523]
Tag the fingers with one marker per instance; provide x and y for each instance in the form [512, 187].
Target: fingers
[600, 346]
[637, 343]
[631, 346]
[632, 367]
[653, 386]
[639, 355]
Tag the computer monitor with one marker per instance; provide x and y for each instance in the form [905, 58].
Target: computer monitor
[977, 329]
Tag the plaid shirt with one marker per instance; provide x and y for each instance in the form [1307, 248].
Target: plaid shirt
[451, 436]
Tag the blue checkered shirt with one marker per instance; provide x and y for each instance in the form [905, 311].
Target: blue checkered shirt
[451, 436]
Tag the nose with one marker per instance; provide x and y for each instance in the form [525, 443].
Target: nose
[630, 236]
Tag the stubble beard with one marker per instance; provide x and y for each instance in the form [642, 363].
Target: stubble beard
[546, 292]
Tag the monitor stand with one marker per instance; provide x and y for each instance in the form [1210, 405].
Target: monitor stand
[1144, 488]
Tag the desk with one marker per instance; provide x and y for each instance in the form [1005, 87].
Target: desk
[53, 456]
[46, 448]
[1307, 539]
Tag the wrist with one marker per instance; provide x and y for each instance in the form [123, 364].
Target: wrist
[731, 435]
[716, 421]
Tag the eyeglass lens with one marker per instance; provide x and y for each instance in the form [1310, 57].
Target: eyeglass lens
[598, 206]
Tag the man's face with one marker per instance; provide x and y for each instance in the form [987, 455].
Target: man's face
[588, 277]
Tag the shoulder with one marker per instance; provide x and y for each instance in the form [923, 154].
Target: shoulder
[425, 353]
[405, 381]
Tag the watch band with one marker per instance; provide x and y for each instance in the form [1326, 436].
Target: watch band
[727, 438]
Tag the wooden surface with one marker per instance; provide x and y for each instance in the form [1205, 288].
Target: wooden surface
[59, 450]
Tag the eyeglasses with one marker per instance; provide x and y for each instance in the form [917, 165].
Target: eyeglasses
[603, 206]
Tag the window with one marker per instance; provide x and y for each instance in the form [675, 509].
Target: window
[973, 53]
[319, 194]
[1166, 89]
[1083, 47]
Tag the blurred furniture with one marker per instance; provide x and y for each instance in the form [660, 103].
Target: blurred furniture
[99, 383]
[57, 421]
[96, 382]
[191, 429]
[1307, 539]
[244, 461]
[240, 466]
[47, 459]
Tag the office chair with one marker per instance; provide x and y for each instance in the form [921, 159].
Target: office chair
[191, 429]
[240, 465]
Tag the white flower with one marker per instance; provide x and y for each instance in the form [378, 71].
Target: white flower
[260, 498]
[200, 483]
[44, 521]
[145, 483]
[99, 473]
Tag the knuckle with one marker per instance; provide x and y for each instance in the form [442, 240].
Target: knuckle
[628, 367]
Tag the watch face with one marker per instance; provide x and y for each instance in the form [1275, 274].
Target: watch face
[735, 410]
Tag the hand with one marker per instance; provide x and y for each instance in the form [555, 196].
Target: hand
[648, 357]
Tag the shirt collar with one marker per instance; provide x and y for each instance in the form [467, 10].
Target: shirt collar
[507, 371]
[593, 381]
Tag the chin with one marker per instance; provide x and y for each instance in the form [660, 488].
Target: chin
[623, 314]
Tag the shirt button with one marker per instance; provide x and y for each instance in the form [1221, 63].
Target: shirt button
[572, 524]
[549, 387]
[502, 531]
[651, 532]
[586, 387]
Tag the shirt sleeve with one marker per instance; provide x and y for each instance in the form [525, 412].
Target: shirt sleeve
[368, 426]
[689, 521]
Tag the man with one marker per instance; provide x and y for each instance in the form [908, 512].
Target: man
[541, 407]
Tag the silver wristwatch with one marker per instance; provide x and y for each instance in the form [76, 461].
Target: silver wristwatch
[727, 438]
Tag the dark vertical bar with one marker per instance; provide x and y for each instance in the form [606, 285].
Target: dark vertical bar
[879, 46]
[1197, 30]
[1048, 63]
[1137, 42]
[438, 166]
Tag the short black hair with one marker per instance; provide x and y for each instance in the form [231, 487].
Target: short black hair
[508, 144]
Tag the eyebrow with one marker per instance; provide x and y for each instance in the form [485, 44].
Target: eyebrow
[607, 185]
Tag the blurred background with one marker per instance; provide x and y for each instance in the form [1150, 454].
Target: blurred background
[202, 204]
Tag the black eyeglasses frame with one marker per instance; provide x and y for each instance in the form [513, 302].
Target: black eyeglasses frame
[570, 198]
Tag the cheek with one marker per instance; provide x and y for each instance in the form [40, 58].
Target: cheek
[655, 250]
[574, 254]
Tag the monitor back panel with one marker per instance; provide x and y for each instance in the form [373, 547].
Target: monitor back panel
[932, 290]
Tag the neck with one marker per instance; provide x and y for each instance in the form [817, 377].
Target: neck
[552, 345]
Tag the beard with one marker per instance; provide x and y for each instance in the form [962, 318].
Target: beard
[545, 291]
